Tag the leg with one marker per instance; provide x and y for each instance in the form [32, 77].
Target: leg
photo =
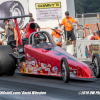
[74, 42]
[65, 33]
[11, 37]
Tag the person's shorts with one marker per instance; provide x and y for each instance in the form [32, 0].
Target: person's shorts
[11, 37]
[70, 34]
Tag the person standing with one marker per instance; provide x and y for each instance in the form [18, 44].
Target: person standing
[9, 30]
[67, 22]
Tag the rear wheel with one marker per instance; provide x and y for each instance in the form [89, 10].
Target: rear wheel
[7, 63]
[96, 65]
[64, 70]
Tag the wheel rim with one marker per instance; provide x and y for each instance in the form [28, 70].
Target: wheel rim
[64, 72]
[16, 12]
[96, 67]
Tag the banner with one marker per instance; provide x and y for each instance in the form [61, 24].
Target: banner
[48, 11]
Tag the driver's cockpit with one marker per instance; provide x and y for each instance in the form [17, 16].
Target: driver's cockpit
[41, 39]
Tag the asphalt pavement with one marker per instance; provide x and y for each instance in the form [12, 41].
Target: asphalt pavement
[54, 87]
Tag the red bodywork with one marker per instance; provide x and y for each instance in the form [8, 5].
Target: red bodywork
[29, 30]
[47, 62]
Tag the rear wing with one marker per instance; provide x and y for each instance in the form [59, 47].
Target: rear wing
[14, 17]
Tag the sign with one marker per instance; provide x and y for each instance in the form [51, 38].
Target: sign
[48, 5]
[86, 48]
[48, 11]
[96, 49]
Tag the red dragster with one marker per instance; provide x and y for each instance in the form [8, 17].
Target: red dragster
[41, 56]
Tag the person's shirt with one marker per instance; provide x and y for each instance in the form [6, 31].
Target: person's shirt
[37, 26]
[8, 30]
[68, 23]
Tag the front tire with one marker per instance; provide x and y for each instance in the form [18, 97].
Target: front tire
[96, 65]
[64, 70]
[7, 63]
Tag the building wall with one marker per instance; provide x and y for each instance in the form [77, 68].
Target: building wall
[65, 5]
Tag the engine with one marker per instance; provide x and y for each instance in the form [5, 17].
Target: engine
[31, 27]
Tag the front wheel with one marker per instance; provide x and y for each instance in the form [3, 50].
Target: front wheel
[96, 65]
[64, 70]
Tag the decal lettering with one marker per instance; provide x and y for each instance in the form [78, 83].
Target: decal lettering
[33, 62]
[56, 69]
[41, 72]
[49, 65]
[35, 71]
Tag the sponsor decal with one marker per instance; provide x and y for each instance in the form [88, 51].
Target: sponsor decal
[24, 63]
[48, 5]
[40, 68]
[49, 65]
[30, 71]
[45, 64]
[33, 62]
[49, 73]
[56, 73]
[72, 75]
[70, 67]
[35, 71]
[53, 69]
[48, 69]
[32, 58]
[34, 68]
[30, 63]
[39, 62]
[21, 70]
[26, 70]
[28, 56]
[41, 72]
[56, 69]
[37, 66]
[21, 63]
[42, 64]
[52, 73]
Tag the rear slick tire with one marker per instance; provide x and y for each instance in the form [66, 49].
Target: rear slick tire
[7, 63]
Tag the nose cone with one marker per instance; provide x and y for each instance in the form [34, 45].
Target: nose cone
[84, 71]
